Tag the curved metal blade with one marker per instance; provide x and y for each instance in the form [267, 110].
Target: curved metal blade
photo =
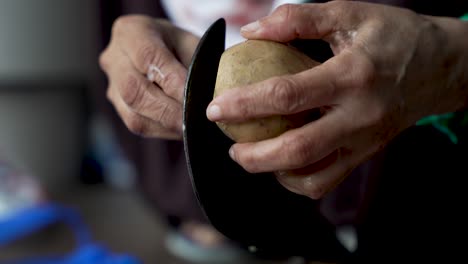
[252, 210]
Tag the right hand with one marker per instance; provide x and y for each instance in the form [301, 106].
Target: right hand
[391, 67]
[146, 64]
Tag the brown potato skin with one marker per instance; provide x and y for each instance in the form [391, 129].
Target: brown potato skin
[253, 61]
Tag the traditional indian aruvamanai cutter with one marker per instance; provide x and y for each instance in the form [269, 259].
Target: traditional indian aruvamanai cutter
[253, 210]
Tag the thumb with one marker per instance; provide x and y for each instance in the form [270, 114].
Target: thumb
[292, 21]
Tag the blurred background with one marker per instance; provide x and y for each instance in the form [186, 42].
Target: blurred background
[60, 137]
[59, 134]
[53, 130]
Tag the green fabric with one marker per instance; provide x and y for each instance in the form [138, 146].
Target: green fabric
[442, 123]
[454, 125]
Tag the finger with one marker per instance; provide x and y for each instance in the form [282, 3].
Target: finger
[305, 21]
[143, 97]
[139, 124]
[315, 182]
[289, 94]
[293, 149]
[139, 38]
[184, 44]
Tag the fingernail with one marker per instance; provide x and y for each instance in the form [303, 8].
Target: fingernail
[232, 154]
[213, 112]
[252, 27]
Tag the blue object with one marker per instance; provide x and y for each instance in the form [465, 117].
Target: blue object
[30, 220]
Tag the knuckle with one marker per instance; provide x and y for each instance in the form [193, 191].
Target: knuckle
[249, 166]
[125, 22]
[244, 105]
[136, 125]
[166, 116]
[378, 114]
[369, 74]
[299, 151]
[379, 118]
[171, 83]
[146, 54]
[313, 189]
[286, 11]
[284, 97]
[131, 92]
[332, 89]
[336, 8]
[367, 71]
[163, 113]
[109, 94]
[247, 161]
[339, 4]
[103, 59]
[250, 169]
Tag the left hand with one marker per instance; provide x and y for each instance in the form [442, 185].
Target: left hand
[146, 64]
[390, 68]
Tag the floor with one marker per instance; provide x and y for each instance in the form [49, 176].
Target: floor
[118, 219]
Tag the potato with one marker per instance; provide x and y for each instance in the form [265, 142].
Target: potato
[254, 61]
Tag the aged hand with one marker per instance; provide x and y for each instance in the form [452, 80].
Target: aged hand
[146, 65]
[390, 68]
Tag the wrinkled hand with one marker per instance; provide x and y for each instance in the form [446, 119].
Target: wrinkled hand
[390, 68]
[146, 65]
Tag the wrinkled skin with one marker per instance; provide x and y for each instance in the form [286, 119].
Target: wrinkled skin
[146, 65]
[391, 68]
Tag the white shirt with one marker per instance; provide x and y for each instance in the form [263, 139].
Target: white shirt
[197, 16]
